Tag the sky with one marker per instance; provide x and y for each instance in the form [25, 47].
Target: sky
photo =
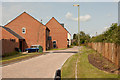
[94, 16]
[118, 13]
[59, 0]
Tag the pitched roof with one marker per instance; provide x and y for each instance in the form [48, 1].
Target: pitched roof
[12, 32]
[59, 23]
[27, 14]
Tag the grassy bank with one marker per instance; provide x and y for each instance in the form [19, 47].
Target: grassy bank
[84, 69]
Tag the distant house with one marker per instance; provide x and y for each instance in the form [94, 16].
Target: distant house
[33, 31]
[69, 39]
[59, 35]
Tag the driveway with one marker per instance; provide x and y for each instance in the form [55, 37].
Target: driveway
[43, 66]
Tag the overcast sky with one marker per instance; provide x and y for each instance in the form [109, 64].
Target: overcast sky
[94, 16]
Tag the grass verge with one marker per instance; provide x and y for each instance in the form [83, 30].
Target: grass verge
[18, 57]
[84, 69]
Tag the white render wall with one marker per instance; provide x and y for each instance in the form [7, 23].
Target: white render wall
[69, 37]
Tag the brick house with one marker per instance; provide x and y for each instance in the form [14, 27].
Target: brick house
[33, 31]
[59, 35]
[25, 30]
[10, 40]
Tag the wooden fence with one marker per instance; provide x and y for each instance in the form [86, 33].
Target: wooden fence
[110, 51]
[8, 46]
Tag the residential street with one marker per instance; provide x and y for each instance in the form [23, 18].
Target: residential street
[35, 36]
[43, 66]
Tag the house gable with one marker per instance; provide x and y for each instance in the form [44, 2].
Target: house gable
[35, 32]
[24, 13]
[58, 33]
[53, 19]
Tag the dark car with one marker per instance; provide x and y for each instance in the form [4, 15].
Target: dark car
[34, 48]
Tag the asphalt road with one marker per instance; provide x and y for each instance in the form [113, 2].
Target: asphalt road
[43, 66]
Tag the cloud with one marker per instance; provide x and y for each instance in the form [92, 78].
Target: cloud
[116, 0]
[82, 18]
[68, 15]
[100, 31]
[106, 28]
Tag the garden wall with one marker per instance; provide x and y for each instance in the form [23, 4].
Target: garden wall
[8, 46]
[110, 51]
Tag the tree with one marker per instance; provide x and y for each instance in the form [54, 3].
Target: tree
[74, 36]
[84, 38]
[112, 35]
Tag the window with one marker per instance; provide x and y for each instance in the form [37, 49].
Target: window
[23, 30]
[49, 37]
[54, 42]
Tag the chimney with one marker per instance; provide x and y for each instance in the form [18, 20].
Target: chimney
[41, 20]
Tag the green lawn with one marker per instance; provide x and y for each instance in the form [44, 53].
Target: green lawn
[18, 56]
[85, 69]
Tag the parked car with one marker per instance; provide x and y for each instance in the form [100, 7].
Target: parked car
[34, 48]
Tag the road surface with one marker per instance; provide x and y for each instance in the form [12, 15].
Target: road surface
[43, 66]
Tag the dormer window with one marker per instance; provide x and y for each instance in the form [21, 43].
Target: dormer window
[23, 30]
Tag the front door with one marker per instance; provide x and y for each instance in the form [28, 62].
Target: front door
[54, 44]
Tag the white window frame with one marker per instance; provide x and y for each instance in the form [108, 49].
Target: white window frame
[24, 29]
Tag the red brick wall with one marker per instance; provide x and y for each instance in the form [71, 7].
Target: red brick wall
[35, 31]
[7, 45]
[7, 35]
[58, 33]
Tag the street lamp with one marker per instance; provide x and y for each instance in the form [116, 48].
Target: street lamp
[78, 25]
